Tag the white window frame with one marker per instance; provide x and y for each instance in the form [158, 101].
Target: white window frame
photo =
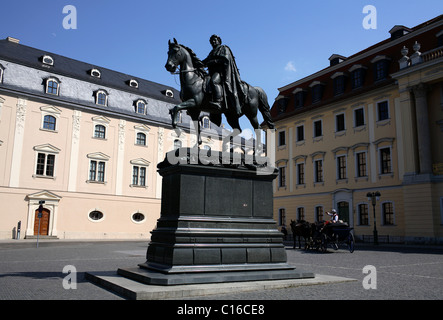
[357, 209]
[47, 86]
[133, 83]
[141, 128]
[46, 56]
[313, 129]
[139, 163]
[315, 171]
[96, 71]
[344, 122]
[137, 133]
[356, 164]
[45, 149]
[279, 181]
[296, 133]
[355, 119]
[97, 157]
[206, 119]
[337, 167]
[50, 111]
[383, 221]
[298, 173]
[100, 120]
[144, 109]
[380, 161]
[378, 121]
[98, 220]
[97, 93]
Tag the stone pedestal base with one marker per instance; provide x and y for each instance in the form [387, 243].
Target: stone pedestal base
[216, 225]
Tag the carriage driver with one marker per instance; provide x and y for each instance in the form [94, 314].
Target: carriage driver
[334, 215]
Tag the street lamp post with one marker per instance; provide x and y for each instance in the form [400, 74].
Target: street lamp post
[374, 196]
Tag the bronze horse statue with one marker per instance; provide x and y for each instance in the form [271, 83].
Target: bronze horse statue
[302, 228]
[195, 93]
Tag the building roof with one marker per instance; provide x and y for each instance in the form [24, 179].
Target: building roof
[401, 36]
[12, 51]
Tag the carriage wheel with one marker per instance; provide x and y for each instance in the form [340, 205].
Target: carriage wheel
[351, 242]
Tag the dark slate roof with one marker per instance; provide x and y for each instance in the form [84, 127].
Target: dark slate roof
[32, 57]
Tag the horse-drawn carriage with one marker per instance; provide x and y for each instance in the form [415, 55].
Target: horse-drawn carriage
[322, 234]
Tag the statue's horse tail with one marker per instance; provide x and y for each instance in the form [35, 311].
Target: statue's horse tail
[264, 108]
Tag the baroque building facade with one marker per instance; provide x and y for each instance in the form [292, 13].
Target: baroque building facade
[369, 122]
[86, 140]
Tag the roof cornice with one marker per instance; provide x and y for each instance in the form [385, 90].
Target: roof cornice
[381, 46]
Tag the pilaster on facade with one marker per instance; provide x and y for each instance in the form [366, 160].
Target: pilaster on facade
[19, 136]
[75, 148]
[423, 135]
[120, 157]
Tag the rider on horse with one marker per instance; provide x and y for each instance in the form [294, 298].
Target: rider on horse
[225, 77]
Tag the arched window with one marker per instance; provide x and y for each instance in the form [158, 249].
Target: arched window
[141, 139]
[206, 124]
[49, 122]
[101, 98]
[52, 86]
[100, 131]
[140, 107]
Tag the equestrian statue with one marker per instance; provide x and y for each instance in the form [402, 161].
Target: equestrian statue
[217, 90]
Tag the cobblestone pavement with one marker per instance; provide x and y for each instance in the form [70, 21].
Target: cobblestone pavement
[402, 272]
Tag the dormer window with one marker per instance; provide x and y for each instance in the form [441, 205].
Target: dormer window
[206, 123]
[299, 98]
[140, 106]
[339, 79]
[48, 60]
[358, 73]
[133, 83]
[168, 93]
[317, 91]
[96, 73]
[52, 86]
[336, 59]
[282, 104]
[399, 31]
[101, 98]
[381, 67]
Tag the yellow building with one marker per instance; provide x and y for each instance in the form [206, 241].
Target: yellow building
[85, 140]
[369, 122]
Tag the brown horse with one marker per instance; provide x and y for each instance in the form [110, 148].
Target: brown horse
[301, 228]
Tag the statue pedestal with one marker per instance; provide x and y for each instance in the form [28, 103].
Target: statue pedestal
[216, 225]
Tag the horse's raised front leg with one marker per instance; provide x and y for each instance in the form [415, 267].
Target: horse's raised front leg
[182, 106]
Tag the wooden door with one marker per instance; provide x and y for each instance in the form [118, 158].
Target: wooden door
[343, 211]
[44, 223]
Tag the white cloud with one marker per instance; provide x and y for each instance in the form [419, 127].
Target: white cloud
[290, 67]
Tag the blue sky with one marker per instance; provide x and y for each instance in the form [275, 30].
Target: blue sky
[274, 42]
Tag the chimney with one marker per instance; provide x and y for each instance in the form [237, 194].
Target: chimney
[13, 40]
